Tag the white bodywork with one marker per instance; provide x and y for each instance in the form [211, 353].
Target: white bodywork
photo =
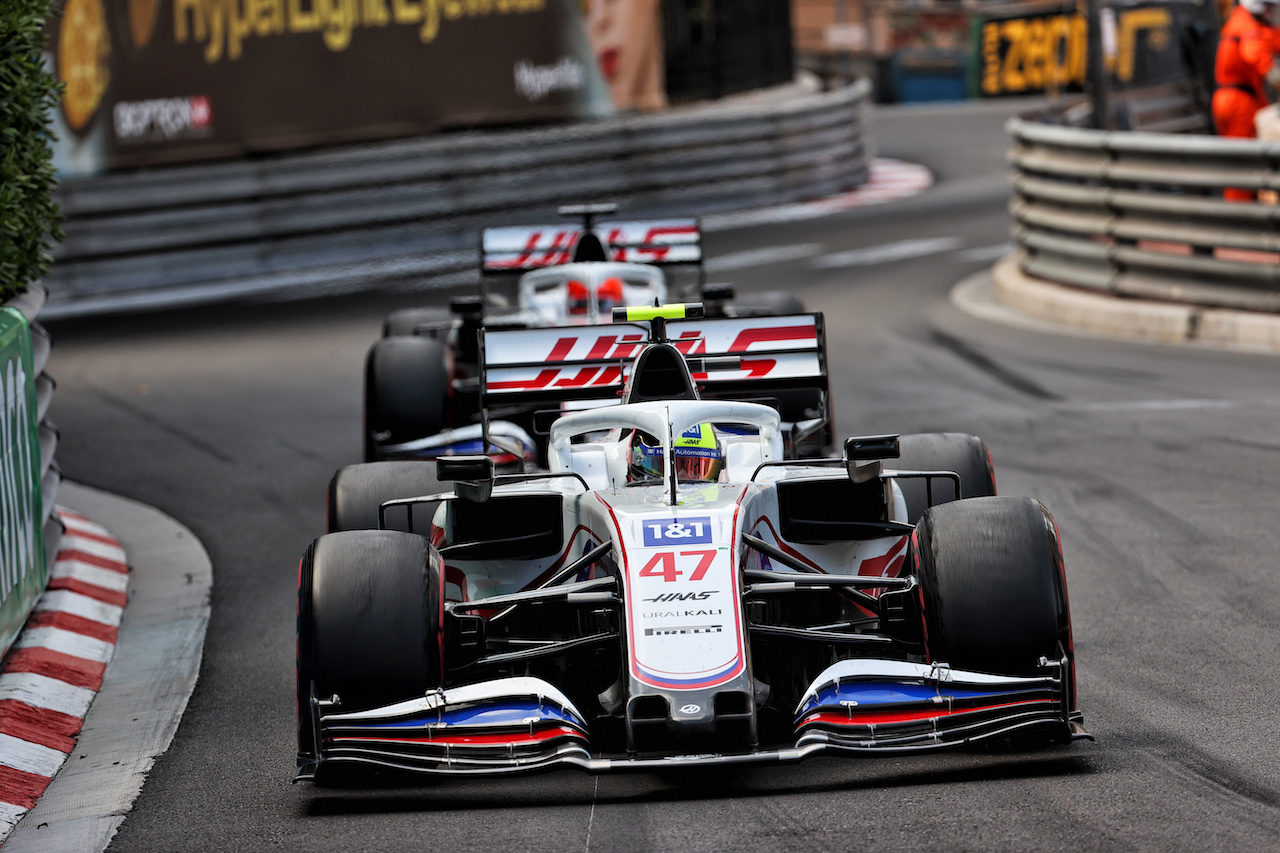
[680, 562]
[544, 293]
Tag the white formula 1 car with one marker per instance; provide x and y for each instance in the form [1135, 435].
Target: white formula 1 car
[674, 591]
[421, 376]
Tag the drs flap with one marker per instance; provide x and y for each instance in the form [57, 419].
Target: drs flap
[528, 247]
[574, 362]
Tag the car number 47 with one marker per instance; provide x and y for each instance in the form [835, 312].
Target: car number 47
[663, 565]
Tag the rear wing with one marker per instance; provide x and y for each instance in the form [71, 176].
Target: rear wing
[522, 248]
[532, 367]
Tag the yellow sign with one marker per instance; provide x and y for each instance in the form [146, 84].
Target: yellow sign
[1050, 53]
[224, 25]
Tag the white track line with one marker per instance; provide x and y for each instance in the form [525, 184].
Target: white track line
[899, 251]
[760, 257]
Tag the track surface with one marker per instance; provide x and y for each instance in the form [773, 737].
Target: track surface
[1159, 463]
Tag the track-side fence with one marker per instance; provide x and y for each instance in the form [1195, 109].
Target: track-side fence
[406, 212]
[1142, 214]
[30, 531]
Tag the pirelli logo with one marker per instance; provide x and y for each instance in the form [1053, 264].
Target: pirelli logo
[685, 629]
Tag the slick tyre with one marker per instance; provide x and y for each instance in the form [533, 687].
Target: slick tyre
[370, 622]
[356, 492]
[966, 455]
[415, 321]
[992, 587]
[407, 388]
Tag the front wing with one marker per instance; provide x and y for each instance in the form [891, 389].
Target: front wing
[856, 708]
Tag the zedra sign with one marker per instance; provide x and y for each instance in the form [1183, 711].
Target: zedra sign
[1046, 49]
[22, 561]
[1026, 53]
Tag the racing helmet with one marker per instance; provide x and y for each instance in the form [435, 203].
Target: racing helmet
[608, 295]
[1258, 7]
[579, 298]
[696, 456]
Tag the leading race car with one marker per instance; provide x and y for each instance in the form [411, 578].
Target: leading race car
[674, 592]
[421, 377]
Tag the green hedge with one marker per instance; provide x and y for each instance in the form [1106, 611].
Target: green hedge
[28, 93]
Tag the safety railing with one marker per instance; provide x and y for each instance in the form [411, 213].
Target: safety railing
[408, 211]
[1142, 214]
[29, 477]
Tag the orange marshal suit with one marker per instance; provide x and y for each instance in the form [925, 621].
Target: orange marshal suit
[1246, 52]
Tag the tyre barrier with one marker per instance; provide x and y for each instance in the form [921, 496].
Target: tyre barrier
[26, 437]
[406, 212]
[1141, 215]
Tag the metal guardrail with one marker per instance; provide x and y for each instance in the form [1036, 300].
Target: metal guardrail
[1142, 214]
[406, 211]
[28, 305]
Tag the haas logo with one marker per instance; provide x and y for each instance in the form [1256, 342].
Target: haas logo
[684, 596]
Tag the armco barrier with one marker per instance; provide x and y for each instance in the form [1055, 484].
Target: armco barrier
[404, 211]
[1142, 214]
[29, 530]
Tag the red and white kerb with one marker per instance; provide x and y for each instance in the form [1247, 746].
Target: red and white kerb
[54, 668]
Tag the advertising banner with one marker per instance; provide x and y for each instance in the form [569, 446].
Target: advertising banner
[1044, 49]
[626, 40]
[22, 560]
[164, 81]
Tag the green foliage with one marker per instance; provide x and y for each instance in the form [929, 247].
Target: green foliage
[28, 94]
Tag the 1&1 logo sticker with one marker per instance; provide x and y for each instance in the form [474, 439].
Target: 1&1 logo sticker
[677, 531]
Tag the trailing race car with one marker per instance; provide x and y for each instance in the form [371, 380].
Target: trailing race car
[420, 378]
[673, 591]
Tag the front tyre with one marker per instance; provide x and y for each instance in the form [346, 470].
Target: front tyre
[993, 590]
[370, 623]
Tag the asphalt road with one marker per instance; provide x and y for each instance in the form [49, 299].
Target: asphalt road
[1159, 463]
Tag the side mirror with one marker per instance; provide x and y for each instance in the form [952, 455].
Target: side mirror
[862, 455]
[472, 475]
[864, 447]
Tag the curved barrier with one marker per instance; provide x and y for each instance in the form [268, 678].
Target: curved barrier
[1142, 214]
[405, 211]
[29, 529]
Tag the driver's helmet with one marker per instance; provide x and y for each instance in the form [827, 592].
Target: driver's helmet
[608, 295]
[579, 298]
[697, 456]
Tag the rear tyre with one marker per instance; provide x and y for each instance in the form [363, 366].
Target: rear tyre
[407, 388]
[411, 321]
[992, 586]
[966, 455]
[370, 622]
[356, 492]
